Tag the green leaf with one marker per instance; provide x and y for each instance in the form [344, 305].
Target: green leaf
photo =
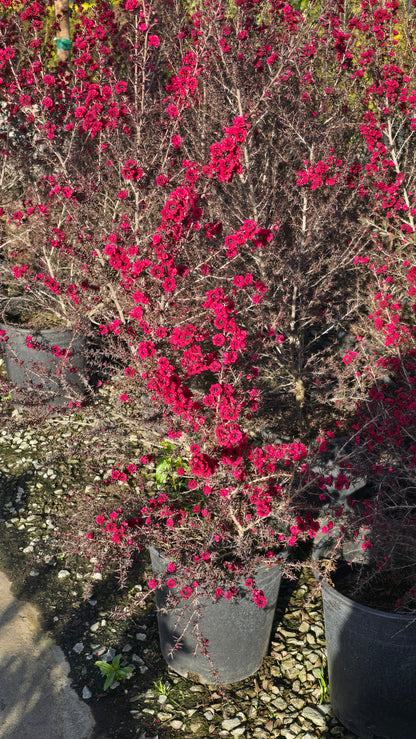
[104, 667]
[109, 681]
[164, 464]
[168, 446]
[123, 672]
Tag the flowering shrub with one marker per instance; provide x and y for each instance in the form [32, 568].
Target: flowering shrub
[205, 189]
[381, 526]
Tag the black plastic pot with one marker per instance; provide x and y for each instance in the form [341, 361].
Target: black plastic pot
[35, 366]
[237, 631]
[371, 668]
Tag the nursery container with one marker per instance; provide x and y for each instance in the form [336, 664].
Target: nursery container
[237, 631]
[39, 369]
[371, 667]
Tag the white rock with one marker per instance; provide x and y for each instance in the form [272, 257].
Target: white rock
[63, 573]
[231, 723]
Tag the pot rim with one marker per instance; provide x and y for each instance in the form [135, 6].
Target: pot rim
[331, 590]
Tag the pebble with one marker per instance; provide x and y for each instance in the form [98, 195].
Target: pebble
[86, 693]
[78, 648]
[231, 723]
[162, 716]
[62, 574]
[136, 658]
[314, 715]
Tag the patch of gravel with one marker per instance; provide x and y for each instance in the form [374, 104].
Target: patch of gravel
[282, 700]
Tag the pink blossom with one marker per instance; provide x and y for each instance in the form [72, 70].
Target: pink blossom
[172, 111]
[259, 598]
[186, 592]
[349, 356]
[120, 87]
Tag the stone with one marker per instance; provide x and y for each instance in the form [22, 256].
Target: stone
[86, 693]
[177, 725]
[195, 727]
[231, 723]
[78, 648]
[298, 703]
[164, 716]
[314, 715]
[136, 658]
[265, 697]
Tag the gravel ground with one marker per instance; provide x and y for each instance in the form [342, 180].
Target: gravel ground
[287, 698]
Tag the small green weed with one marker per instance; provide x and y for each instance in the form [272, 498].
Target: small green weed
[167, 468]
[163, 689]
[112, 671]
[324, 697]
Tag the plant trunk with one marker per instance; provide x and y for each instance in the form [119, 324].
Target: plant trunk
[62, 17]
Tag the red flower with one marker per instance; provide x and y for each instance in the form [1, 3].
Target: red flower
[172, 111]
[259, 598]
[202, 465]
